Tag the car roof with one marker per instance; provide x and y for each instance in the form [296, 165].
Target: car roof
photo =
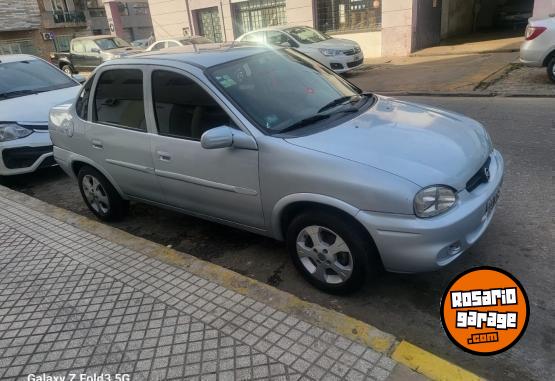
[203, 56]
[178, 38]
[16, 58]
[278, 27]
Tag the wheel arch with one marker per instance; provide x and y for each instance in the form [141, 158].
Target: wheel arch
[548, 57]
[79, 163]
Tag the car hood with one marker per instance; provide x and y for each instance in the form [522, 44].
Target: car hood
[127, 51]
[424, 145]
[334, 43]
[34, 108]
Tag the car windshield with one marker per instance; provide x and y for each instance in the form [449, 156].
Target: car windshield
[30, 76]
[111, 43]
[280, 88]
[307, 35]
[196, 40]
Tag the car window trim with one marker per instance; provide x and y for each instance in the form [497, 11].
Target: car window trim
[208, 90]
[92, 104]
[91, 80]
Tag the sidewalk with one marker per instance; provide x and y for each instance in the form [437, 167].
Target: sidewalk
[79, 297]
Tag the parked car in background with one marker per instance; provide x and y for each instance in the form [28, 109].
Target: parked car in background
[178, 41]
[29, 87]
[86, 53]
[142, 43]
[538, 49]
[271, 141]
[338, 54]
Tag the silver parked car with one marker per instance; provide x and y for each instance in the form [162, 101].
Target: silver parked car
[538, 49]
[273, 142]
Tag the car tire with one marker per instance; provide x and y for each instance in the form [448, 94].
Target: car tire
[102, 199]
[551, 68]
[67, 69]
[329, 265]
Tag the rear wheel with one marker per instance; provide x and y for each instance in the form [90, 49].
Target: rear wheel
[67, 69]
[331, 251]
[100, 195]
[551, 68]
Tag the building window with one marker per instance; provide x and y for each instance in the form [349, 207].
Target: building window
[17, 47]
[208, 21]
[96, 8]
[256, 14]
[140, 8]
[349, 15]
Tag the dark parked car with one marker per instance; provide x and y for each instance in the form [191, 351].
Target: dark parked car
[86, 53]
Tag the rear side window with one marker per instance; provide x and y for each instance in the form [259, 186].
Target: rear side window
[118, 99]
[183, 109]
[82, 104]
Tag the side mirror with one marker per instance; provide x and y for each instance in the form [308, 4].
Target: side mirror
[95, 50]
[79, 78]
[224, 136]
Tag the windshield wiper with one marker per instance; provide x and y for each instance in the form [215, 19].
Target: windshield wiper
[340, 101]
[17, 93]
[314, 118]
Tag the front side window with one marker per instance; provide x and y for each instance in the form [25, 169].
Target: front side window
[182, 108]
[118, 99]
[90, 46]
[349, 15]
[158, 46]
[171, 44]
[82, 104]
[279, 88]
[111, 43]
[278, 38]
[31, 76]
[78, 47]
[307, 35]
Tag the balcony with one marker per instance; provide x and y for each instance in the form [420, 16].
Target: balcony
[60, 19]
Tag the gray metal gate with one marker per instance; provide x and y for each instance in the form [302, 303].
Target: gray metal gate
[428, 24]
[209, 24]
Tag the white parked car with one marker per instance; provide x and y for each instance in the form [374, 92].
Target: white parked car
[29, 87]
[338, 54]
[178, 41]
[538, 49]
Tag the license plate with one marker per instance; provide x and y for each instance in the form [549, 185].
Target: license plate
[490, 205]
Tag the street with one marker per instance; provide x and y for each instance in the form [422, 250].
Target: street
[519, 240]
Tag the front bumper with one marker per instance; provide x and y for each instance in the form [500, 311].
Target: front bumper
[26, 155]
[343, 63]
[409, 244]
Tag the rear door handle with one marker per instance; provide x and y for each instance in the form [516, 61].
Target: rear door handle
[164, 156]
[97, 144]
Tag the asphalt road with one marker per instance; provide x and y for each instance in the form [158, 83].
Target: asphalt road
[519, 240]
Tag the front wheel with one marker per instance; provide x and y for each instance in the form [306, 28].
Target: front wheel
[67, 69]
[100, 195]
[551, 68]
[331, 251]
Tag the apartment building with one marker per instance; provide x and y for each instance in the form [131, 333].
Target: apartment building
[40, 26]
[381, 27]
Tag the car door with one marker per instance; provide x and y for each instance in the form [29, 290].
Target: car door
[91, 55]
[117, 136]
[78, 55]
[221, 183]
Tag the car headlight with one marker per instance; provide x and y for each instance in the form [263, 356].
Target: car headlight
[434, 200]
[330, 52]
[13, 131]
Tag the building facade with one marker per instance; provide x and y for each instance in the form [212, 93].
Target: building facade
[381, 27]
[39, 27]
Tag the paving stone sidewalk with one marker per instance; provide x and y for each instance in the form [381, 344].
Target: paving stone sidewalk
[72, 302]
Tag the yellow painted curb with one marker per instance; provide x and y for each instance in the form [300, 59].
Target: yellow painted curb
[430, 365]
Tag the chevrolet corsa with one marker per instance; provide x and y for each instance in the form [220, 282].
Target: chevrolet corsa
[273, 142]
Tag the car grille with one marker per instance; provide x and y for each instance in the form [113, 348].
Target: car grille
[23, 157]
[351, 52]
[354, 63]
[480, 177]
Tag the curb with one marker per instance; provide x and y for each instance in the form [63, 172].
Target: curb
[413, 357]
[467, 52]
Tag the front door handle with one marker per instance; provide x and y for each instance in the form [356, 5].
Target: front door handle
[164, 156]
[97, 144]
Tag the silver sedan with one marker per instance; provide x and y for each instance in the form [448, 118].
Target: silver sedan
[273, 142]
[538, 49]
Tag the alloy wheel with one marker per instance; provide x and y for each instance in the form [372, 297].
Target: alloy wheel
[96, 194]
[324, 254]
